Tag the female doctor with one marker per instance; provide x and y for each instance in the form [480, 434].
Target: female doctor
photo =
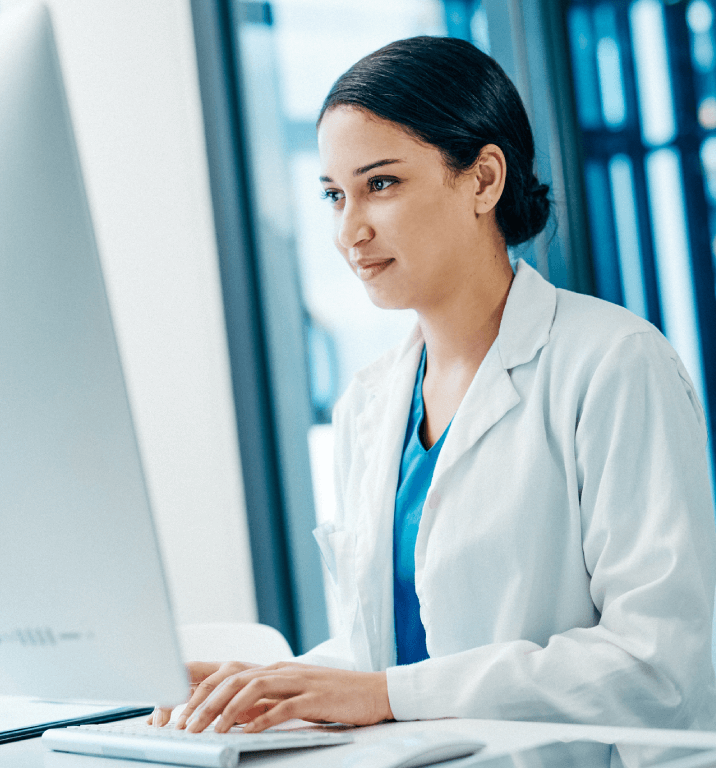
[524, 526]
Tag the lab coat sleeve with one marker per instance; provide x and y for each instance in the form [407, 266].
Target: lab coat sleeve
[648, 542]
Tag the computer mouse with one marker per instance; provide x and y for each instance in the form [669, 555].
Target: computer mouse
[413, 750]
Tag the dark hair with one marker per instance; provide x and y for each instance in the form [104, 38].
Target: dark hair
[447, 93]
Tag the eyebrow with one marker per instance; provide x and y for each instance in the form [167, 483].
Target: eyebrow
[365, 168]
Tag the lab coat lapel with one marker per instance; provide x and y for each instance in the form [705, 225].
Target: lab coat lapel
[524, 330]
[381, 430]
[490, 396]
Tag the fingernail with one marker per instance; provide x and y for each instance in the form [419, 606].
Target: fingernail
[181, 722]
[155, 718]
[249, 728]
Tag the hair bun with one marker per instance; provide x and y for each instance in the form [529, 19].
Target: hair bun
[521, 216]
[540, 205]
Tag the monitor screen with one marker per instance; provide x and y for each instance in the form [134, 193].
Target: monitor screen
[84, 609]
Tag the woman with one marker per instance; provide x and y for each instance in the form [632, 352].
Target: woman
[524, 525]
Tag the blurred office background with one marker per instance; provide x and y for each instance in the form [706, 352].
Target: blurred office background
[238, 323]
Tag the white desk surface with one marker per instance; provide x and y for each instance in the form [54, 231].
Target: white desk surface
[501, 736]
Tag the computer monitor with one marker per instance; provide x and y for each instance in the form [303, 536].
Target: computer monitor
[84, 608]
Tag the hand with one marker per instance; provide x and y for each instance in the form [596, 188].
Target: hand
[266, 696]
[204, 675]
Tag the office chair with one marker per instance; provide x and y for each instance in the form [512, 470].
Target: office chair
[233, 641]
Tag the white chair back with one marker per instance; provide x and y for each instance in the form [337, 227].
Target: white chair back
[233, 641]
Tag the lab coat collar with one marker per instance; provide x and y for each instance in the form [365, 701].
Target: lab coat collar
[528, 317]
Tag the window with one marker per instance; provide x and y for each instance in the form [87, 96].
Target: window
[644, 76]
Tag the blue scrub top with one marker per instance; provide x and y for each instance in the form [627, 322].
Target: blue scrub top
[416, 474]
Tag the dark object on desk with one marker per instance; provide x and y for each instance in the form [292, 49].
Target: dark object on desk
[121, 713]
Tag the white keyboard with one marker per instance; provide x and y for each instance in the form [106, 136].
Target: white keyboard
[137, 741]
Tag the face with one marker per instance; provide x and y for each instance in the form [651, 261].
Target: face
[406, 227]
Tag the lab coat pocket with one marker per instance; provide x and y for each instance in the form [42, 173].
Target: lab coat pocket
[338, 552]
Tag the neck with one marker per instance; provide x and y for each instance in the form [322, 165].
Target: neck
[459, 332]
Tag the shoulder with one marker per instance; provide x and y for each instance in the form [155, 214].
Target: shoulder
[589, 333]
[574, 334]
[595, 323]
[562, 326]
[619, 356]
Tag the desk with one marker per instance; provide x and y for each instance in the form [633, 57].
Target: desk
[500, 736]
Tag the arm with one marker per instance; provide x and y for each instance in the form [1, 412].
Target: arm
[649, 544]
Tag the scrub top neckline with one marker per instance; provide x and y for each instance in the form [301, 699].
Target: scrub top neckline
[419, 408]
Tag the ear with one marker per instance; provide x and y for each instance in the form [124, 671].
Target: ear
[489, 172]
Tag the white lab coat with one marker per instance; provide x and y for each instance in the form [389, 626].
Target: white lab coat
[565, 560]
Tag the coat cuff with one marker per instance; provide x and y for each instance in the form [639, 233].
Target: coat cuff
[408, 693]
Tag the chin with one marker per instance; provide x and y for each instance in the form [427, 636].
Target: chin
[386, 301]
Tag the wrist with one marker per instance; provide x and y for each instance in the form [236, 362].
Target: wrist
[384, 712]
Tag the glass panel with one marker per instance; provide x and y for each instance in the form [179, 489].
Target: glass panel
[671, 248]
[606, 266]
[700, 19]
[611, 80]
[479, 30]
[656, 106]
[624, 201]
[583, 63]
[708, 164]
[700, 22]
[317, 41]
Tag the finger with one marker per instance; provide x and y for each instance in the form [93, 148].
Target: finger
[200, 695]
[214, 704]
[249, 715]
[250, 695]
[200, 670]
[159, 717]
[284, 710]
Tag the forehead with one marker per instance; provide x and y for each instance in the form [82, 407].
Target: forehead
[349, 138]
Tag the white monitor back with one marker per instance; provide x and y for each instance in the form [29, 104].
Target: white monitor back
[84, 609]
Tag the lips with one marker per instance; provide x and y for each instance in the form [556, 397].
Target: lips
[367, 270]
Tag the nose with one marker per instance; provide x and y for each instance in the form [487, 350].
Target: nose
[353, 227]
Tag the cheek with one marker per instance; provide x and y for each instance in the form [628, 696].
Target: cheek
[409, 229]
[441, 222]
